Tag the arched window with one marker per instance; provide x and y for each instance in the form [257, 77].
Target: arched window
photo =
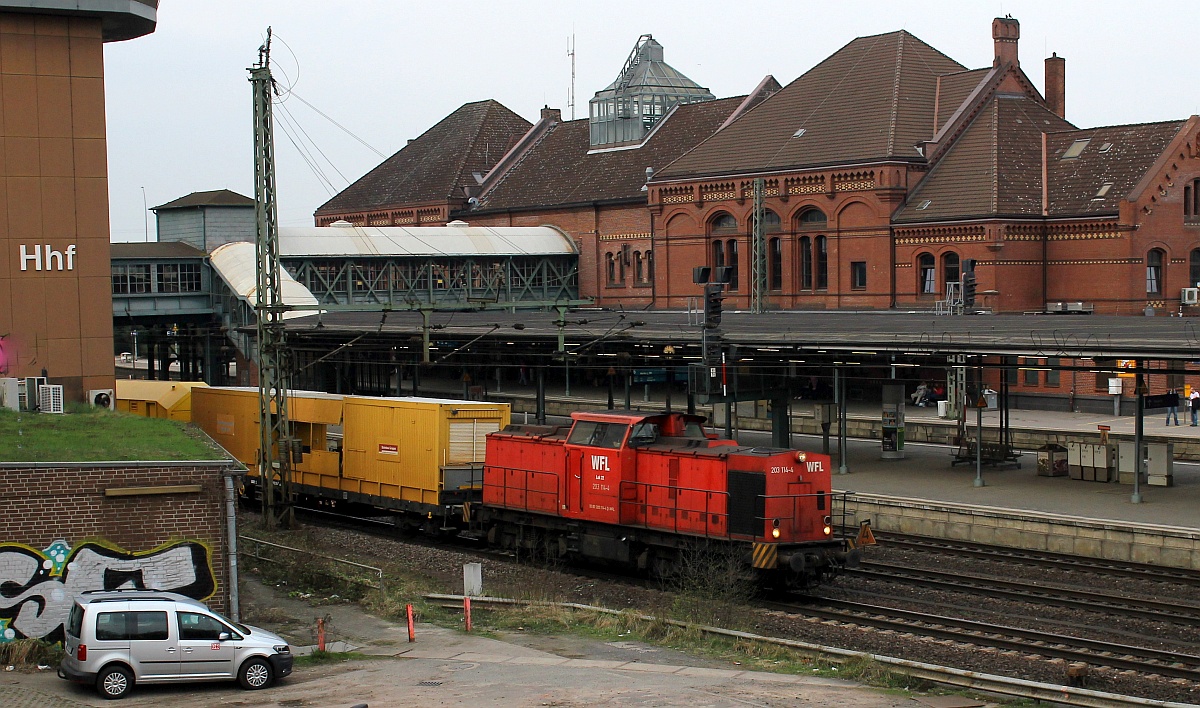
[926, 274]
[822, 275]
[639, 270]
[950, 270]
[611, 264]
[811, 219]
[775, 253]
[723, 223]
[771, 222]
[1154, 272]
[718, 254]
[731, 260]
[621, 267]
[1194, 269]
[805, 265]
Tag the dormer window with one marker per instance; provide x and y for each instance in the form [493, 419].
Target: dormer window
[1076, 149]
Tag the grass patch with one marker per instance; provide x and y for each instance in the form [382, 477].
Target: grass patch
[321, 658]
[88, 434]
[29, 653]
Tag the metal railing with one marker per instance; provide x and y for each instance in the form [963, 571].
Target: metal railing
[243, 550]
[675, 510]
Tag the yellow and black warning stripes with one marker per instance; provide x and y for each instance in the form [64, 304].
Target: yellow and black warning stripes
[766, 555]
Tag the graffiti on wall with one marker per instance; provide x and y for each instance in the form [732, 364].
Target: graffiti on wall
[37, 588]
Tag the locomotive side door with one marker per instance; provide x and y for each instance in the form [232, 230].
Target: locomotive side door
[747, 506]
[593, 469]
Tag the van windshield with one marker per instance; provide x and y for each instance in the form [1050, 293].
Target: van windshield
[239, 626]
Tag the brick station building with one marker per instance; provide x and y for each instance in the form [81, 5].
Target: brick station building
[887, 170]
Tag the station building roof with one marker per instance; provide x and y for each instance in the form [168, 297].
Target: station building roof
[154, 250]
[455, 239]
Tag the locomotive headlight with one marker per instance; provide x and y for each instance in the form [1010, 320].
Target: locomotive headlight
[775, 528]
[828, 526]
[801, 456]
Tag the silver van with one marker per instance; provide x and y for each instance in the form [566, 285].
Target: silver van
[115, 639]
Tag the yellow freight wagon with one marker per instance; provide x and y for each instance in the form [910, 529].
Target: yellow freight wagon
[230, 416]
[157, 399]
[415, 454]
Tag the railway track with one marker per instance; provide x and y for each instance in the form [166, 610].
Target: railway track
[1046, 559]
[1143, 608]
[1151, 662]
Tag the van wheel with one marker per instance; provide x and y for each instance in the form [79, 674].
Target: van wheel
[255, 674]
[114, 682]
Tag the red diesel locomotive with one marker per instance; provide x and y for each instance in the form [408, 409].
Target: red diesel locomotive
[639, 490]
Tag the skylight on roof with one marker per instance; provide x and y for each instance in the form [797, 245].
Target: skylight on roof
[798, 133]
[1103, 191]
[924, 205]
[1106, 147]
[1076, 149]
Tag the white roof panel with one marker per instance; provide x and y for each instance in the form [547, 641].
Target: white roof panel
[234, 262]
[423, 241]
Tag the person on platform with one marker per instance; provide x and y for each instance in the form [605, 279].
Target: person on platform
[918, 397]
[1173, 406]
[1194, 406]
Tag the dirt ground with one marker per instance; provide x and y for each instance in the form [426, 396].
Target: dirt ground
[446, 667]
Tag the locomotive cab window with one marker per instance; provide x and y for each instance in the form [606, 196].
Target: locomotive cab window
[595, 434]
[643, 434]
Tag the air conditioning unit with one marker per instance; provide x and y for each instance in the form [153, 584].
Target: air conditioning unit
[1190, 296]
[10, 394]
[103, 398]
[32, 384]
[50, 398]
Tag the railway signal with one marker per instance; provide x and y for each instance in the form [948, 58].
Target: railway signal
[713, 297]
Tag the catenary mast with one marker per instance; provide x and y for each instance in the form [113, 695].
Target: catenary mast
[275, 445]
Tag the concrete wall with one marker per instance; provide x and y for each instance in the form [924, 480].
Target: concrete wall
[1031, 530]
[68, 528]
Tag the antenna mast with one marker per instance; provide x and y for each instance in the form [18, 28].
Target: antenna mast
[275, 444]
[571, 93]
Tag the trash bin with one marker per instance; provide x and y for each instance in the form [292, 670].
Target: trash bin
[1052, 461]
[943, 409]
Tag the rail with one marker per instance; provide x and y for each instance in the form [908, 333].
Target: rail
[242, 550]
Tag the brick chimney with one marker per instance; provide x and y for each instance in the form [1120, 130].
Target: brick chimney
[553, 114]
[1005, 32]
[1056, 85]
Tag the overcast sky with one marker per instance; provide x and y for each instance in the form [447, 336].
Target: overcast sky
[179, 103]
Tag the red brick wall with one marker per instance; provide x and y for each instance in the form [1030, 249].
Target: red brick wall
[41, 504]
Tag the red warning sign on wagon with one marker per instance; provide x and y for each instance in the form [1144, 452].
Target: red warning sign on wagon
[386, 449]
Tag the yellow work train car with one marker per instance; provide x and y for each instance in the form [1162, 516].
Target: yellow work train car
[156, 399]
[416, 454]
[230, 416]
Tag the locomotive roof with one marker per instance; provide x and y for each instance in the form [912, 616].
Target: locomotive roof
[632, 416]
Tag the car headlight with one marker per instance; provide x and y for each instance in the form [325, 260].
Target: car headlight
[282, 649]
